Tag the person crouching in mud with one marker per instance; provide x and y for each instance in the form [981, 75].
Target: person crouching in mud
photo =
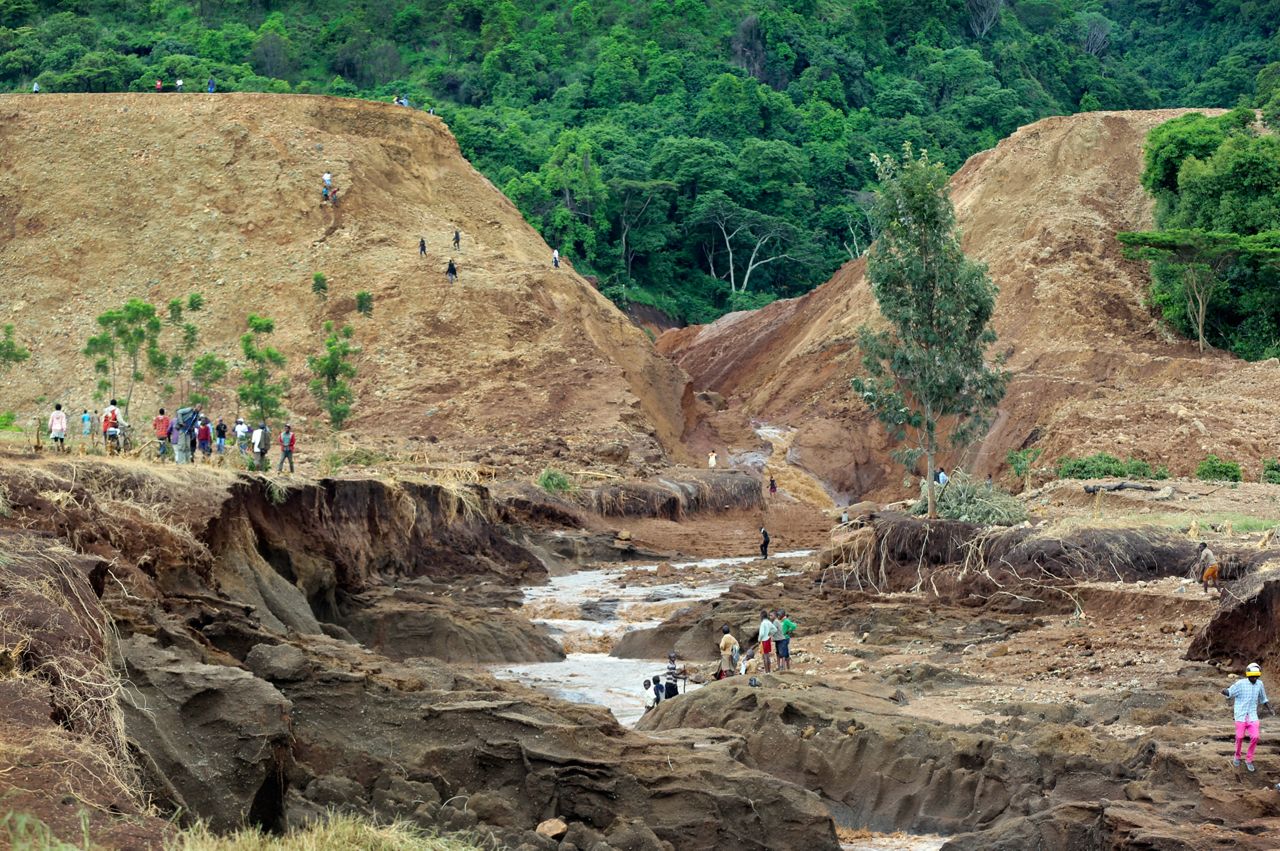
[1247, 693]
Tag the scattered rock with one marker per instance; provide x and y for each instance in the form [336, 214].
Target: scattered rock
[552, 828]
[665, 570]
[277, 662]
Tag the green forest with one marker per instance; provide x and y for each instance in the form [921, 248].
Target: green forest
[1216, 255]
[698, 156]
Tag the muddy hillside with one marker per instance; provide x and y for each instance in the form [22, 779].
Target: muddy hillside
[228, 648]
[109, 197]
[1092, 369]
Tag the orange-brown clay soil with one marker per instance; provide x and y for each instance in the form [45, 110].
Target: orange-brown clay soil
[1092, 368]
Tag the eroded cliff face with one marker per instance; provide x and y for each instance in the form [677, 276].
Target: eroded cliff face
[285, 652]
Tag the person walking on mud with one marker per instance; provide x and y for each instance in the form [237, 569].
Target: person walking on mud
[451, 273]
[1247, 693]
[1207, 564]
[764, 542]
[728, 653]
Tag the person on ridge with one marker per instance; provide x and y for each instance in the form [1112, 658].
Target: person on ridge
[1209, 569]
[220, 436]
[1247, 693]
[160, 428]
[765, 637]
[451, 273]
[177, 85]
[773, 486]
[764, 542]
[58, 428]
[241, 432]
[422, 246]
[712, 458]
[204, 438]
[35, 88]
[457, 240]
[261, 446]
[211, 87]
[728, 649]
[555, 258]
[287, 441]
[650, 699]
[86, 423]
[159, 85]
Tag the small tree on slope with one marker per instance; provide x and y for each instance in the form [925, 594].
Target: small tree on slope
[929, 367]
[257, 389]
[331, 371]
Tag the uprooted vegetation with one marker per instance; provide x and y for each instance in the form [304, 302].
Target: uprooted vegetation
[1016, 567]
[673, 497]
[971, 501]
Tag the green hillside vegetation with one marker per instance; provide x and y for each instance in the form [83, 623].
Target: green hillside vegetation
[1216, 255]
[695, 155]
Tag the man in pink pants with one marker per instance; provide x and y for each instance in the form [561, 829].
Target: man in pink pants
[1247, 693]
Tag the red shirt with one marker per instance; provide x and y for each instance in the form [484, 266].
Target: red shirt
[287, 439]
[202, 433]
[160, 425]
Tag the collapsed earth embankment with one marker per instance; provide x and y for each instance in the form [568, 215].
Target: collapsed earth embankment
[1092, 368]
[244, 650]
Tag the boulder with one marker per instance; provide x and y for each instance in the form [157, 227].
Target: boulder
[613, 453]
[552, 828]
[216, 735]
[277, 662]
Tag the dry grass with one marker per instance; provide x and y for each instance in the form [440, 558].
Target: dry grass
[48, 602]
[338, 832]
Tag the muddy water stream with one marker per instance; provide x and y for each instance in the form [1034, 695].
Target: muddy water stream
[589, 610]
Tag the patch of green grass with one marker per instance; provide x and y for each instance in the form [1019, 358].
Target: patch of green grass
[554, 481]
[25, 832]
[339, 832]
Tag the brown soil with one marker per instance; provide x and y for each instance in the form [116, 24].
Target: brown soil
[116, 196]
[1092, 368]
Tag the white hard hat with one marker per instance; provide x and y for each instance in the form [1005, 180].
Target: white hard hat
[1253, 670]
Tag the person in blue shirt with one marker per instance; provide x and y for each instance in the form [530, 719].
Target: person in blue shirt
[1247, 693]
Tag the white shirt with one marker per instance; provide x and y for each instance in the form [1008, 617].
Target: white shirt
[943, 479]
[711, 460]
[327, 178]
[257, 440]
[767, 629]
[555, 254]
[241, 430]
[179, 84]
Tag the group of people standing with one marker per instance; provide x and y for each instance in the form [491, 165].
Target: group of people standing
[189, 435]
[773, 639]
[186, 436]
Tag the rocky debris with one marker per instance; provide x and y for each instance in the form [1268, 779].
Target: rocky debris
[217, 738]
[1246, 627]
[676, 494]
[552, 828]
[613, 453]
[404, 622]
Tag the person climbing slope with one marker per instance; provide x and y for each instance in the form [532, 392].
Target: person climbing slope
[555, 258]
[422, 246]
[457, 240]
[1247, 693]
[451, 273]
[764, 542]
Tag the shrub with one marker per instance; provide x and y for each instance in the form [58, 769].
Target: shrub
[1215, 469]
[1022, 462]
[1103, 465]
[320, 285]
[553, 481]
[1271, 471]
[364, 303]
[971, 501]
[9, 421]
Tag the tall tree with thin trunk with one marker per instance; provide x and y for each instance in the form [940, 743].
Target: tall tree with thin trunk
[928, 370]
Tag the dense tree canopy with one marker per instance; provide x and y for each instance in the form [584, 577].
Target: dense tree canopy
[1216, 257]
[636, 134]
